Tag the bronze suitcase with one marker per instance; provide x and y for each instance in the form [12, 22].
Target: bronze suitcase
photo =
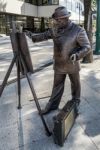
[63, 122]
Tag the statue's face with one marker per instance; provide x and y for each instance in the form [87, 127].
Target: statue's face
[60, 22]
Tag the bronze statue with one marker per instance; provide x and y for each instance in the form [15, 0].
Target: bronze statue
[70, 45]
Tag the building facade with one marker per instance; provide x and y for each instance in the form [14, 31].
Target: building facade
[35, 14]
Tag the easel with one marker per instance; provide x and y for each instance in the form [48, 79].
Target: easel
[24, 66]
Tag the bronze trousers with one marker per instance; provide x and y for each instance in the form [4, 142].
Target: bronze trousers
[58, 87]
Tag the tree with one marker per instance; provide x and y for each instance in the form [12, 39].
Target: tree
[88, 6]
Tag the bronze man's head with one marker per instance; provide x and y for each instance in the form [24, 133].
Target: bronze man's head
[61, 16]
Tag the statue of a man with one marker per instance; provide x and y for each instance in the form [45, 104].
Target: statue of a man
[70, 45]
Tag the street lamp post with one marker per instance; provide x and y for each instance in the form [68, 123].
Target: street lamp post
[79, 12]
[97, 50]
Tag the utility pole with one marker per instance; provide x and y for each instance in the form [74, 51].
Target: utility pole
[97, 50]
[79, 12]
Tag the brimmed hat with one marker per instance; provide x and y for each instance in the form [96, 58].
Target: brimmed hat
[61, 12]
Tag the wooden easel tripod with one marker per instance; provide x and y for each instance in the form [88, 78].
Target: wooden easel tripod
[22, 67]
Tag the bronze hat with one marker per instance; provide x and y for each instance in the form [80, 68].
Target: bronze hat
[61, 12]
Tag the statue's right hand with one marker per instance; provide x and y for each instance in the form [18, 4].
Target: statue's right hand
[28, 33]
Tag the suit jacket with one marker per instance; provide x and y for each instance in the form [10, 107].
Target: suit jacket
[67, 40]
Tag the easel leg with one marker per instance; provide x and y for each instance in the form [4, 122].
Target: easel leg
[7, 75]
[19, 84]
[35, 97]
[37, 103]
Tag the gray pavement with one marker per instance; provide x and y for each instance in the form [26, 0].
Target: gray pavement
[23, 129]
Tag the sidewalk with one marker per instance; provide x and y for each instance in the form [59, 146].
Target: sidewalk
[23, 129]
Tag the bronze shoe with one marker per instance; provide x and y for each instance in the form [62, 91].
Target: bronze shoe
[49, 107]
[77, 102]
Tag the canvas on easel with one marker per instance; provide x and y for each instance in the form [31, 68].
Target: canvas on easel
[19, 42]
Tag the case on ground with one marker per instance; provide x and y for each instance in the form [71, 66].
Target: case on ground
[64, 121]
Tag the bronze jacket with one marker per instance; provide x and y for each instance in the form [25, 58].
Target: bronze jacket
[67, 40]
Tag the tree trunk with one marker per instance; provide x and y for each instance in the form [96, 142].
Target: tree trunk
[88, 27]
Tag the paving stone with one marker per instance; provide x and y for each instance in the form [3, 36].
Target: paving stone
[9, 95]
[41, 80]
[73, 142]
[8, 115]
[31, 129]
[92, 97]
[92, 129]
[86, 113]
[9, 138]
[77, 139]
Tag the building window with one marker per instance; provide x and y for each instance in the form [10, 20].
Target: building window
[79, 8]
[6, 22]
[27, 1]
[56, 2]
[74, 6]
[34, 2]
[69, 5]
[37, 24]
[48, 2]
[39, 2]
[42, 2]
[2, 24]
